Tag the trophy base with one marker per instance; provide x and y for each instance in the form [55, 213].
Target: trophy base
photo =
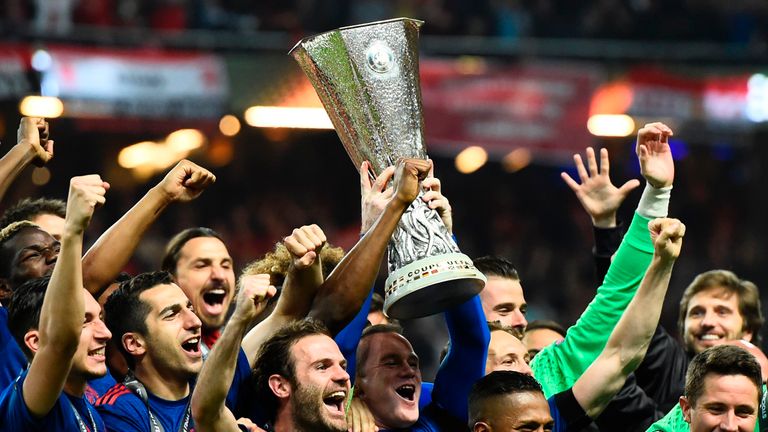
[431, 285]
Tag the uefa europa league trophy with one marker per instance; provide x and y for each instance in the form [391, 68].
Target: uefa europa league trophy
[367, 77]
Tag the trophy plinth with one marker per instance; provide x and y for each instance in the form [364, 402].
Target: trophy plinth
[367, 77]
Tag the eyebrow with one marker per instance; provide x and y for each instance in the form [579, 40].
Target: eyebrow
[172, 308]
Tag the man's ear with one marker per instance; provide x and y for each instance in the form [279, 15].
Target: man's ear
[746, 335]
[686, 407]
[481, 427]
[134, 344]
[32, 340]
[280, 386]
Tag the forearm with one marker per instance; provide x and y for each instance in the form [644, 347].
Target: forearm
[61, 317]
[209, 397]
[11, 165]
[259, 334]
[299, 291]
[558, 367]
[345, 290]
[113, 249]
[465, 362]
[628, 342]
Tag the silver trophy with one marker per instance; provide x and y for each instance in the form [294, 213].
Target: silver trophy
[367, 77]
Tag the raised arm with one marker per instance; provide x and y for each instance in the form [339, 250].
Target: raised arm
[32, 145]
[210, 394]
[347, 287]
[304, 277]
[104, 261]
[561, 365]
[629, 341]
[61, 317]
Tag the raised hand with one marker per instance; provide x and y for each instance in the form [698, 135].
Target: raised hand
[655, 156]
[375, 195]
[33, 133]
[667, 236]
[436, 200]
[599, 197]
[305, 244]
[186, 181]
[255, 291]
[408, 174]
[85, 193]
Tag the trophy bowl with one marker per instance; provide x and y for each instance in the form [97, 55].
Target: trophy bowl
[367, 77]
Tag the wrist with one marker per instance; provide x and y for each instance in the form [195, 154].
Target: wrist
[24, 152]
[604, 221]
[654, 203]
[160, 196]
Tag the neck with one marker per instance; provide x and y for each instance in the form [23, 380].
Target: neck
[165, 385]
[284, 419]
[75, 385]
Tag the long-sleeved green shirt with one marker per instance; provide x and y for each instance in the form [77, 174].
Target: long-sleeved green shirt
[558, 366]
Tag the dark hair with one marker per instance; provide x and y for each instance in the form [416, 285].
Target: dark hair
[496, 384]
[274, 357]
[25, 308]
[28, 209]
[125, 312]
[377, 303]
[496, 266]
[546, 324]
[749, 299]
[173, 248]
[720, 360]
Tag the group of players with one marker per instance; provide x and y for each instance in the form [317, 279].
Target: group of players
[301, 346]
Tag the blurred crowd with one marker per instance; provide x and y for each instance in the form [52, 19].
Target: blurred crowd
[741, 23]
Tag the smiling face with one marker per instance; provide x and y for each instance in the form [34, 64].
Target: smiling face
[506, 352]
[390, 380]
[503, 301]
[172, 342]
[206, 274]
[90, 358]
[30, 254]
[321, 385]
[712, 318]
[728, 403]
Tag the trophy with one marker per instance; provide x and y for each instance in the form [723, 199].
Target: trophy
[367, 77]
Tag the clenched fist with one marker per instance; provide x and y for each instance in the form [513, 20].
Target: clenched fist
[186, 181]
[85, 193]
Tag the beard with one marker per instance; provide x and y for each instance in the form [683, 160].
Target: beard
[307, 407]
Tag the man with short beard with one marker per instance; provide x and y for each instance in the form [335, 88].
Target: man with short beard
[300, 378]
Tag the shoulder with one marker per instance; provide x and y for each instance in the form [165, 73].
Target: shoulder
[121, 410]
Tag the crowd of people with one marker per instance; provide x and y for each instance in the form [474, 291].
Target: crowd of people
[741, 23]
[297, 341]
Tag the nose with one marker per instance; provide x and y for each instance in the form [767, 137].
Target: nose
[218, 272]
[519, 319]
[102, 333]
[525, 369]
[728, 422]
[340, 374]
[191, 321]
[708, 319]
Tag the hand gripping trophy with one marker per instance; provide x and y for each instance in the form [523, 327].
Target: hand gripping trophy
[367, 77]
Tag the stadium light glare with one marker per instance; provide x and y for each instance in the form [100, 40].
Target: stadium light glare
[41, 106]
[471, 159]
[287, 117]
[611, 125]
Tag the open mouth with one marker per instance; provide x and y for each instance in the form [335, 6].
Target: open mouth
[407, 392]
[710, 337]
[192, 346]
[98, 353]
[335, 401]
[215, 297]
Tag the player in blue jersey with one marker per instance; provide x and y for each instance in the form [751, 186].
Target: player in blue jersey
[58, 324]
